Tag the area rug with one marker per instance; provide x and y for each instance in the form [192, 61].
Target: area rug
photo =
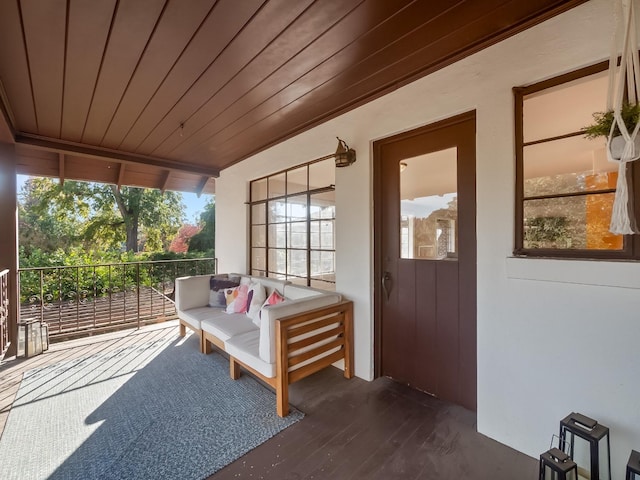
[158, 410]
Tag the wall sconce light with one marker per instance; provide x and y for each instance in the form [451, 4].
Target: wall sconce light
[345, 156]
[403, 166]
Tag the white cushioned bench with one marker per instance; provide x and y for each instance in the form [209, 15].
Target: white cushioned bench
[310, 330]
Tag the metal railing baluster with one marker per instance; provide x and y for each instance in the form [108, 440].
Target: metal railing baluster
[109, 309]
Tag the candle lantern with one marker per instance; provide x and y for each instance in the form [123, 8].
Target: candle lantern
[557, 465]
[589, 445]
[29, 338]
[633, 466]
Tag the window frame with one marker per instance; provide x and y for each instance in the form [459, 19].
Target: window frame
[631, 243]
[308, 195]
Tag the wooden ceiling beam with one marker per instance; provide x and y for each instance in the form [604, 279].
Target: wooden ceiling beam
[54, 145]
[61, 167]
[121, 175]
[165, 181]
[7, 130]
[202, 185]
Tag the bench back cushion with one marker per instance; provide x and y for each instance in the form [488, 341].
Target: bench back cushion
[269, 284]
[192, 292]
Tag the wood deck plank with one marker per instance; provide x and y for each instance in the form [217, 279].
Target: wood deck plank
[352, 429]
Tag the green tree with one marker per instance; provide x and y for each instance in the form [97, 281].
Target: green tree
[205, 239]
[156, 215]
[98, 216]
[52, 216]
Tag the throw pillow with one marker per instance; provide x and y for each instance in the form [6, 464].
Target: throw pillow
[255, 298]
[217, 287]
[273, 299]
[237, 299]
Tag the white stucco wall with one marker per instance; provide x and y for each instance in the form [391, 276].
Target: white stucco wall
[553, 336]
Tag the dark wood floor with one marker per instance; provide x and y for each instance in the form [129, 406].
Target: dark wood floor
[353, 429]
[378, 430]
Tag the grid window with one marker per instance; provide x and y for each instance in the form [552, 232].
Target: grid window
[565, 186]
[293, 225]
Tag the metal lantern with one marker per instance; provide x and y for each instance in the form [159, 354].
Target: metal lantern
[633, 466]
[589, 443]
[345, 156]
[557, 465]
[30, 338]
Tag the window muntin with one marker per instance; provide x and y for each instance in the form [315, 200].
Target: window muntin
[565, 185]
[293, 225]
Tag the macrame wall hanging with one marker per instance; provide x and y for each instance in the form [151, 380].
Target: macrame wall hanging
[621, 143]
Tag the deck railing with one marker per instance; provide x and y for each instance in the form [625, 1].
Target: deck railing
[4, 310]
[85, 299]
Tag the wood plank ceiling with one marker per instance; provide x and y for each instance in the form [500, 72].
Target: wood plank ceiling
[166, 93]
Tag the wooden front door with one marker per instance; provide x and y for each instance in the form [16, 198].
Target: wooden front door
[425, 266]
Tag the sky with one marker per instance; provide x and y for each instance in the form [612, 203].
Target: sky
[193, 205]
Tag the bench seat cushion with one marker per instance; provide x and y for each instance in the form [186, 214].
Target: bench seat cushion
[226, 325]
[195, 316]
[245, 348]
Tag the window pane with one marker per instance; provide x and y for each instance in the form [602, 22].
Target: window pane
[429, 207]
[277, 185]
[323, 205]
[258, 214]
[280, 227]
[278, 235]
[258, 259]
[297, 180]
[297, 235]
[570, 223]
[277, 211]
[297, 208]
[569, 165]
[277, 261]
[258, 236]
[322, 174]
[323, 265]
[297, 263]
[322, 235]
[259, 190]
[576, 101]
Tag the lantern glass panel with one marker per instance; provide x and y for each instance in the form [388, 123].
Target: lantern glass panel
[45, 336]
[550, 474]
[603, 448]
[21, 339]
[581, 454]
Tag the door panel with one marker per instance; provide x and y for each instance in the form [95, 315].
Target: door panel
[426, 247]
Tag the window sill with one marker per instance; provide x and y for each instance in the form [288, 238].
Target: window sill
[605, 273]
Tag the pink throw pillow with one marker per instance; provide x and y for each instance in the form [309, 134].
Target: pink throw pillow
[272, 299]
[237, 299]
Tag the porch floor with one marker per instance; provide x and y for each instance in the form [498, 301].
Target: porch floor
[352, 428]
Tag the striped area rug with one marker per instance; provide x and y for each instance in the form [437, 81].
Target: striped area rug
[158, 410]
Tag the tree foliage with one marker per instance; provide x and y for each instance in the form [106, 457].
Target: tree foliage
[96, 217]
[205, 240]
[180, 243]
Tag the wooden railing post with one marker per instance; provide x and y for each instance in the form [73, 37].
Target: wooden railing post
[9, 237]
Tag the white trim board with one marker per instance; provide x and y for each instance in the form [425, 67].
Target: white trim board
[605, 273]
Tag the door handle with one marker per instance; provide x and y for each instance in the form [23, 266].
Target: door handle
[386, 280]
